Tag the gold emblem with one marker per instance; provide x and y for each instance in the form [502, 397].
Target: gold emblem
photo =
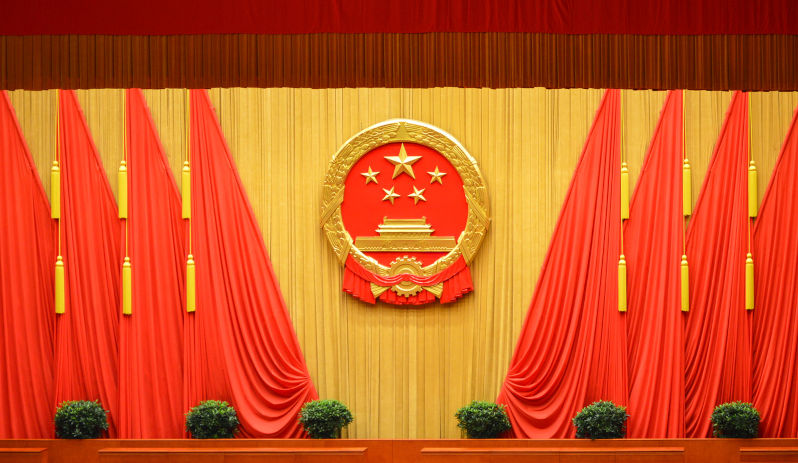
[405, 235]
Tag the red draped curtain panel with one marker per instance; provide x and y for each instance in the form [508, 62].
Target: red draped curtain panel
[151, 339]
[775, 325]
[245, 349]
[27, 318]
[572, 346]
[653, 245]
[718, 327]
[87, 335]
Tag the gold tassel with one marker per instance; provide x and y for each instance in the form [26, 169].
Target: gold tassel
[186, 191]
[749, 282]
[59, 285]
[127, 289]
[624, 191]
[191, 291]
[685, 284]
[622, 284]
[753, 207]
[122, 177]
[55, 191]
[687, 189]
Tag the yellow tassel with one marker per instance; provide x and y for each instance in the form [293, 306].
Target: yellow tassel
[685, 284]
[122, 176]
[59, 285]
[127, 289]
[55, 191]
[191, 291]
[753, 207]
[186, 190]
[749, 282]
[624, 191]
[687, 189]
[622, 284]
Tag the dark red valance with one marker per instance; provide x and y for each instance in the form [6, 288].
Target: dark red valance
[157, 17]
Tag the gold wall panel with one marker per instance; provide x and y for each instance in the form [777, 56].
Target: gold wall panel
[405, 371]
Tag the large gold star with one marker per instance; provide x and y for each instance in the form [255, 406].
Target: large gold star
[403, 163]
[371, 176]
[436, 176]
[417, 194]
[390, 195]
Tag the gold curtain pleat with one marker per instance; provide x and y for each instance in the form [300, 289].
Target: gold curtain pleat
[405, 372]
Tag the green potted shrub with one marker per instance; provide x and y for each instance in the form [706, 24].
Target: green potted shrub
[324, 419]
[483, 420]
[80, 419]
[735, 419]
[601, 420]
[212, 419]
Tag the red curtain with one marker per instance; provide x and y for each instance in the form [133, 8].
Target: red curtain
[653, 245]
[27, 319]
[572, 348]
[245, 349]
[410, 16]
[775, 329]
[87, 334]
[151, 339]
[718, 329]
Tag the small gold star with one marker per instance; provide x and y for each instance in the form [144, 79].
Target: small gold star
[403, 163]
[417, 194]
[371, 176]
[390, 195]
[436, 176]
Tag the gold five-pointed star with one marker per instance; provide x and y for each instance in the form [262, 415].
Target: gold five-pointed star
[403, 163]
[417, 194]
[390, 195]
[435, 176]
[371, 176]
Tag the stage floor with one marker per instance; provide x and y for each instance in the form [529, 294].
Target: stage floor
[390, 451]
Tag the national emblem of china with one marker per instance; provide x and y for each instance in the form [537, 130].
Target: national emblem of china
[405, 209]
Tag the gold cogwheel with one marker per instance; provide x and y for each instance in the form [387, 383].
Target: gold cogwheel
[406, 265]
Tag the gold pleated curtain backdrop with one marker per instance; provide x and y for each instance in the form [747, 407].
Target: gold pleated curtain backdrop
[405, 371]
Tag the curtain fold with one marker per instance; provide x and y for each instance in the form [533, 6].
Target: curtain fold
[775, 323]
[572, 349]
[27, 318]
[246, 350]
[718, 327]
[653, 245]
[151, 339]
[87, 335]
